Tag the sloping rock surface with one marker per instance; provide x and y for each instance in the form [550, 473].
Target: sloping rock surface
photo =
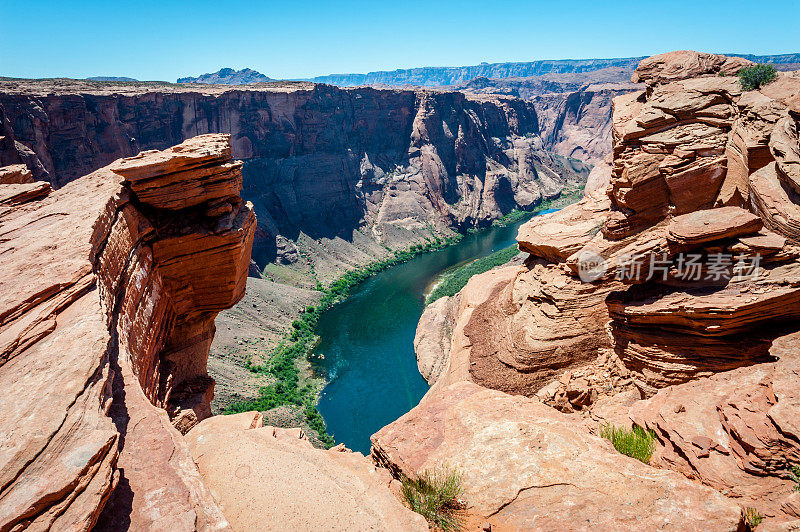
[526, 466]
[736, 431]
[268, 478]
[685, 277]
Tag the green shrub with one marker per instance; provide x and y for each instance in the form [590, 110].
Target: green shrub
[752, 517]
[756, 76]
[435, 495]
[636, 443]
[795, 474]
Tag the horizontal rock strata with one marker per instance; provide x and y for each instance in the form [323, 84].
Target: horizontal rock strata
[351, 170]
[682, 279]
[735, 431]
[107, 310]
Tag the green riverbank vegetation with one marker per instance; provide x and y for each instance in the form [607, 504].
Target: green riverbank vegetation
[452, 282]
[287, 388]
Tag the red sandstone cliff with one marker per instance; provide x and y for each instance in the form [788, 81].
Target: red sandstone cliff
[109, 290]
[108, 296]
[699, 167]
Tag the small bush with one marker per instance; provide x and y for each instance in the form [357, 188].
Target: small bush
[435, 495]
[636, 443]
[756, 76]
[795, 474]
[752, 517]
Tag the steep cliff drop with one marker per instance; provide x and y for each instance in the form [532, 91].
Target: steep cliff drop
[604, 315]
[109, 292]
[338, 178]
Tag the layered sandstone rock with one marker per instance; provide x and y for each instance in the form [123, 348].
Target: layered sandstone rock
[15, 174]
[267, 478]
[736, 432]
[107, 308]
[699, 168]
[525, 466]
[684, 64]
[681, 151]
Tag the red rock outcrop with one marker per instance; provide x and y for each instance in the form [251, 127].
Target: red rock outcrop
[109, 292]
[683, 64]
[268, 478]
[736, 431]
[525, 466]
[699, 168]
[15, 174]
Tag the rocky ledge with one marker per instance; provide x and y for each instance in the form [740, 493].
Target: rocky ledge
[109, 291]
[608, 321]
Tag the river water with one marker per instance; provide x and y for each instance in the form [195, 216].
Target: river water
[367, 340]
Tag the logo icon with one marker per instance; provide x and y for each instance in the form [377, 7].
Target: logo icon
[591, 266]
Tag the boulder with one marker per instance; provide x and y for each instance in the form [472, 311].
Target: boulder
[683, 64]
[712, 224]
[15, 174]
[558, 235]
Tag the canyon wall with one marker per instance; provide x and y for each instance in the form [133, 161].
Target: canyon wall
[392, 167]
[108, 297]
[573, 109]
[608, 320]
[438, 76]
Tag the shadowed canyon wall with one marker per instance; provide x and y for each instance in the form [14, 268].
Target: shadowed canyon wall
[398, 166]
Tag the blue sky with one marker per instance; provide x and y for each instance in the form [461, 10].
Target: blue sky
[167, 39]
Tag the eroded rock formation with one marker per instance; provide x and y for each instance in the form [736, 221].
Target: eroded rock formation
[526, 466]
[109, 290]
[699, 168]
[735, 431]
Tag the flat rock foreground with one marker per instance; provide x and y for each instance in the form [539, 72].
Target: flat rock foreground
[110, 286]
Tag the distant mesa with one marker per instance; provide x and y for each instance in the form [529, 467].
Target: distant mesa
[228, 76]
[621, 67]
[111, 78]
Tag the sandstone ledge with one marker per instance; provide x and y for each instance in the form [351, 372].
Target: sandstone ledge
[106, 314]
[526, 466]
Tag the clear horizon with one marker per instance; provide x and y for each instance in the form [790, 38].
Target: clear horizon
[168, 40]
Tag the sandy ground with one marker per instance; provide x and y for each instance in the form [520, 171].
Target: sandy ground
[250, 330]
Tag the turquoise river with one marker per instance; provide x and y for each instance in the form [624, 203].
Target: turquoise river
[366, 349]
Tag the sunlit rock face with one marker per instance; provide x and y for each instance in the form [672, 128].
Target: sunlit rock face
[391, 166]
[110, 287]
[700, 168]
